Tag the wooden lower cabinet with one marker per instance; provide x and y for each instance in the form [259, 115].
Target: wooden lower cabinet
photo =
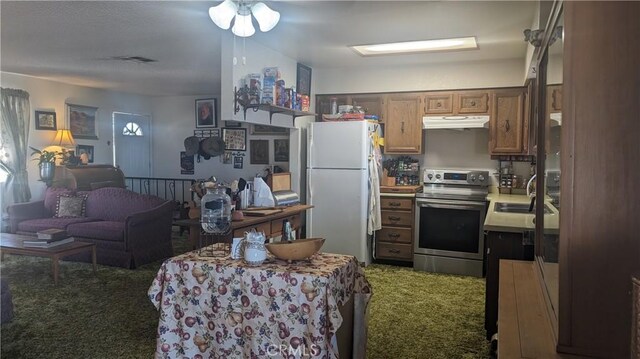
[501, 245]
[271, 228]
[395, 240]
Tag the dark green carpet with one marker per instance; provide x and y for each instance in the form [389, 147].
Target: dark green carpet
[412, 314]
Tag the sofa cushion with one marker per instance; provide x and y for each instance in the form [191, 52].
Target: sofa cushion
[116, 204]
[51, 198]
[103, 184]
[106, 230]
[70, 206]
[35, 225]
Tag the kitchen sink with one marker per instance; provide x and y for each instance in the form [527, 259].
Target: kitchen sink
[517, 208]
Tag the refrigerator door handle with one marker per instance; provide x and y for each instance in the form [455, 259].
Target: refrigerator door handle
[310, 149]
[309, 223]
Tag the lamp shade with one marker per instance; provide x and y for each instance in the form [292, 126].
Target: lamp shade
[63, 138]
[242, 26]
[267, 18]
[222, 14]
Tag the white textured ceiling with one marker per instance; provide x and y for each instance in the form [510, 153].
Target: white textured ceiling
[73, 42]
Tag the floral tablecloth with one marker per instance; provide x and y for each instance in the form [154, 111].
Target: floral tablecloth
[222, 308]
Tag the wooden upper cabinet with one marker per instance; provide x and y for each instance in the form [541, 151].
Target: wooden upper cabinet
[403, 124]
[458, 102]
[472, 102]
[507, 126]
[323, 103]
[439, 103]
[371, 104]
[554, 98]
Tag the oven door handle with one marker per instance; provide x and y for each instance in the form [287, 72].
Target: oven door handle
[450, 204]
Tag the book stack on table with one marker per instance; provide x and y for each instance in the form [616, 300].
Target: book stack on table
[49, 238]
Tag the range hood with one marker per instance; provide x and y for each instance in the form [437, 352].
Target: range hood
[556, 119]
[454, 122]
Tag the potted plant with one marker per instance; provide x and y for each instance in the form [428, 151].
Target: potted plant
[46, 162]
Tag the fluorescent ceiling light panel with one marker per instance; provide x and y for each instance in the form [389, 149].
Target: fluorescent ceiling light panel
[409, 47]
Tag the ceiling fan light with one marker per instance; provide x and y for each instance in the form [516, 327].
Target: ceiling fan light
[267, 18]
[222, 14]
[242, 26]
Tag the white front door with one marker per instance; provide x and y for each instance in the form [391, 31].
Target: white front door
[132, 144]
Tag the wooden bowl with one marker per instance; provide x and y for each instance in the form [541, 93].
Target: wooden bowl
[295, 250]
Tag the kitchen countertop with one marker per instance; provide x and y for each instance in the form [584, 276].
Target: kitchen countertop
[516, 222]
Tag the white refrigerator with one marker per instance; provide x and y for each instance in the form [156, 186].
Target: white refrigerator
[338, 186]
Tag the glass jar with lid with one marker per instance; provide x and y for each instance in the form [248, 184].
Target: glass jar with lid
[215, 210]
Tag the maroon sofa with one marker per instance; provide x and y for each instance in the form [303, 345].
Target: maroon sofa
[129, 229]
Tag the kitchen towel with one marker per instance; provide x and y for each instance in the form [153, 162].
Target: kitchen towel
[263, 196]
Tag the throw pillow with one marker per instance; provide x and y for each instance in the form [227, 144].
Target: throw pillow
[70, 206]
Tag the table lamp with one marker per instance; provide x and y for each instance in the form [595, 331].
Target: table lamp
[63, 139]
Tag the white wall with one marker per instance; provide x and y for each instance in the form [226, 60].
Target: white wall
[52, 96]
[459, 149]
[174, 120]
[253, 57]
[426, 77]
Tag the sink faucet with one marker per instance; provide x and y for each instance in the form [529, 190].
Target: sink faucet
[531, 194]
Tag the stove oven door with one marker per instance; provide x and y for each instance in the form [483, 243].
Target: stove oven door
[450, 228]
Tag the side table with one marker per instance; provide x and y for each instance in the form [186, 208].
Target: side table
[12, 244]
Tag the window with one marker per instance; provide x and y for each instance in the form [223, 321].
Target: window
[132, 129]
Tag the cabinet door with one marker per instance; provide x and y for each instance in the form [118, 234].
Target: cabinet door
[507, 122]
[500, 246]
[439, 103]
[323, 103]
[472, 102]
[403, 124]
[395, 235]
[396, 203]
[555, 98]
[396, 218]
[372, 105]
[394, 251]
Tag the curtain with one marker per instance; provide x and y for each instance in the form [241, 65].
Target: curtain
[13, 145]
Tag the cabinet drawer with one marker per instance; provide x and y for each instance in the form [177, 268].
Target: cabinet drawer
[397, 218]
[262, 227]
[394, 251]
[473, 102]
[439, 104]
[393, 234]
[276, 224]
[396, 203]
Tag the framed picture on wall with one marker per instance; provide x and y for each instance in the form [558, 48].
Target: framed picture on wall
[237, 162]
[82, 121]
[281, 150]
[206, 110]
[46, 120]
[235, 139]
[86, 150]
[303, 83]
[187, 166]
[259, 152]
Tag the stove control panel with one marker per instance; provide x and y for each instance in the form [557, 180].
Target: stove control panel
[463, 177]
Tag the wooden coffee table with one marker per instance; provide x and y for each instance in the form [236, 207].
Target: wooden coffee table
[12, 244]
